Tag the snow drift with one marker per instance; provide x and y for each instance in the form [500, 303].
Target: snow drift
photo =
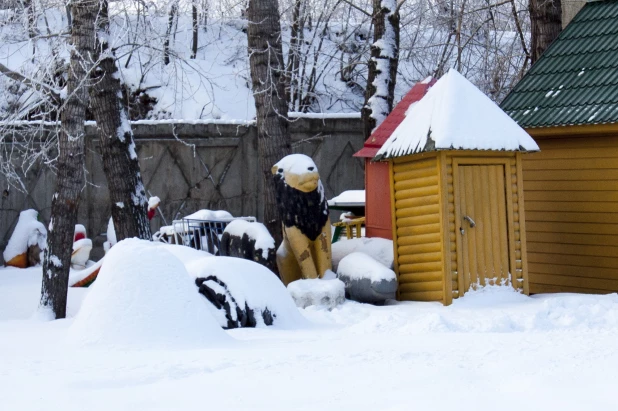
[144, 297]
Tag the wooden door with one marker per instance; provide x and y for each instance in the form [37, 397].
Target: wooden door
[481, 224]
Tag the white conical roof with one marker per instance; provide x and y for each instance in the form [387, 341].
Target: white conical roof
[455, 115]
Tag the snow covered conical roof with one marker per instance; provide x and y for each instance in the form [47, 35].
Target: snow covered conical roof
[455, 115]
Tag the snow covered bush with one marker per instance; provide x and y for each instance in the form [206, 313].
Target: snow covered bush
[144, 297]
[242, 293]
[28, 240]
[367, 280]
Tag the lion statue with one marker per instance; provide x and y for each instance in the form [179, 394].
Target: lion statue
[306, 248]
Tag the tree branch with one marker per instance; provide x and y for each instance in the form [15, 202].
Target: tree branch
[44, 88]
[358, 8]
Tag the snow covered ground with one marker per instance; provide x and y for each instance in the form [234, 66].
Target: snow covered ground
[493, 349]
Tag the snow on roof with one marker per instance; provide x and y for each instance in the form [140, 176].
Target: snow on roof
[349, 197]
[455, 115]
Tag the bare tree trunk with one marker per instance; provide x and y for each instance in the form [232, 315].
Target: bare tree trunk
[70, 166]
[168, 33]
[120, 163]
[545, 25]
[382, 75]
[266, 63]
[195, 26]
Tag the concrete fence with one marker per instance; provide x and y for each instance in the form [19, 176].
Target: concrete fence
[192, 167]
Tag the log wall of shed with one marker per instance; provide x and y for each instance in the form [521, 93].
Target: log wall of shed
[417, 221]
[571, 201]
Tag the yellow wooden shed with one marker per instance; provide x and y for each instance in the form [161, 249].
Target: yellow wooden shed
[456, 186]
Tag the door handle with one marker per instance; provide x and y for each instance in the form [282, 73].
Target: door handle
[470, 221]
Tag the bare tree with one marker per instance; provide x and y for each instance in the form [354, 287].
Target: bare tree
[545, 24]
[70, 164]
[120, 163]
[268, 85]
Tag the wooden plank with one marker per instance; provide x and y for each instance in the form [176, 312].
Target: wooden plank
[586, 185]
[570, 217]
[420, 248]
[580, 282]
[410, 175]
[586, 142]
[572, 227]
[417, 211]
[470, 234]
[421, 296]
[420, 239]
[420, 277]
[400, 167]
[574, 271]
[570, 175]
[419, 229]
[417, 201]
[503, 221]
[422, 286]
[421, 267]
[591, 196]
[523, 232]
[458, 198]
[446, 200]
[579, 152]
[420, 258]
[415, 192]
[416, 220]
[582, 239]
[568, 164]
[573, 260]
[571, 206]
[492, 186]
[402, 183]
[546, 288]
[570, 249]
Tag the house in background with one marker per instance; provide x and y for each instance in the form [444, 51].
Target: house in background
[568, 102]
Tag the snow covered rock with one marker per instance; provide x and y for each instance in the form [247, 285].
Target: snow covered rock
[243, 293]
[379, 248]
[367, 280]
[250, 241]
[28, 240]
[324, 292]
[144, 297]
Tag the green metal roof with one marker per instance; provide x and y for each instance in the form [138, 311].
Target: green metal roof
[575, 81]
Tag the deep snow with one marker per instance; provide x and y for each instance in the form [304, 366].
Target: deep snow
[493, 349]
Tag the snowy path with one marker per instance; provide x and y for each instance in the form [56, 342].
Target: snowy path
[493, 350]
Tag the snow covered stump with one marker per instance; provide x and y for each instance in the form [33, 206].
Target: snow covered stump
[327, 292]
[366, 280]
[251, 241]
[28, 240]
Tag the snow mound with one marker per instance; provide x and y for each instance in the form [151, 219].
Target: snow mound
[380, 249]
[328, 293]
[212, 215]
[28, 232]
[255, 231]
[297, 164]
[251, 285]
[359, 266]
[454, 114]
[490, 296]
[144, 297]
[183, 253]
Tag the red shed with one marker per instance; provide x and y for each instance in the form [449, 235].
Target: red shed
[378, 208]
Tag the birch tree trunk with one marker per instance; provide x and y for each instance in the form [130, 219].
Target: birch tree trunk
[545, 25]
[70, 165]
[268, 81]
[120, 163]
[382, 75]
